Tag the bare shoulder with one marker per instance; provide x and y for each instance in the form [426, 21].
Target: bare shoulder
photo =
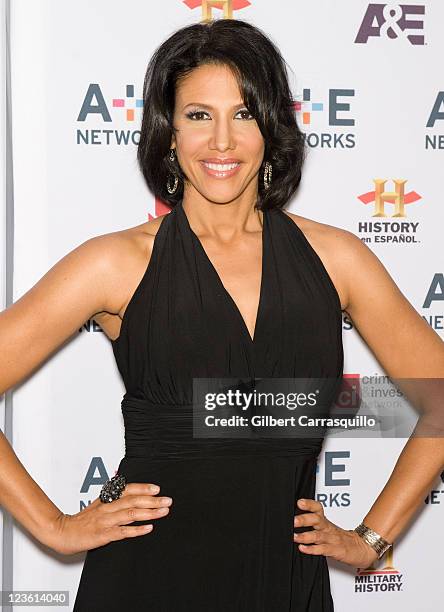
[404, 344]
[127, 254]
[336, 248]
[94, 280]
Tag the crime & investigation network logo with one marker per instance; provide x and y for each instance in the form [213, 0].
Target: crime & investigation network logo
[393, 21]
[390, 205]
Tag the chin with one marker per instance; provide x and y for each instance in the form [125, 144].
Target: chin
[220, 197]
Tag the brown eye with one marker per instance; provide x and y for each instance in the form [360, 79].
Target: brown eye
[245, 111]
[191, 114]
[196, 115]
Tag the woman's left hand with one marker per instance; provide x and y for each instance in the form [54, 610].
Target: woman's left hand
[328, 539]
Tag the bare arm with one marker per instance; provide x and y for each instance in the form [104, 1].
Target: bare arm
[407, 348]
[83, 283]
[88, 280]
[24, 499]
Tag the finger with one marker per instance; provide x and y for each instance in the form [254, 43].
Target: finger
[315, 537]
[141, 488]
[137, 501]
[312, 505]
[122, 531]
[312, 519]
[129, 515]
[317, 549]
[308, 537]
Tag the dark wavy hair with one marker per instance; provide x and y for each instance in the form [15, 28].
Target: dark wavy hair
[262, 78]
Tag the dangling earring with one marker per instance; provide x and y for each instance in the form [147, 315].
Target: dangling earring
[267, 175]
[172, 189]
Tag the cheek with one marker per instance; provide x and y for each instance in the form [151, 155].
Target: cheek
[254, 144]
[191, 145]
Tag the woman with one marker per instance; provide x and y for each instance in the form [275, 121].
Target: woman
[227, 284]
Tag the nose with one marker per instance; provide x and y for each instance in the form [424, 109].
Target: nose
[222, 136]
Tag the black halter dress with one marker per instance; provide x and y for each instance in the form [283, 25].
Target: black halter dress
[227, 543]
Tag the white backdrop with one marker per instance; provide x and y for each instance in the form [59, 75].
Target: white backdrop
[4, 132]
[365, 108]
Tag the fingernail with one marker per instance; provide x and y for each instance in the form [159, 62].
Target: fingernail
[167, 500]
[155, 489]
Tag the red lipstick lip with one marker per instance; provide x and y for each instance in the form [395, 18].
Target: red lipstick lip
[216, 160]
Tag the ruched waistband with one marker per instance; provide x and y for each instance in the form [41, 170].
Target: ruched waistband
[166, 431]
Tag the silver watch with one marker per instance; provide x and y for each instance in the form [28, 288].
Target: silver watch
[376, 541]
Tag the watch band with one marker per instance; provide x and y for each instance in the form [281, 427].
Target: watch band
[372, 538]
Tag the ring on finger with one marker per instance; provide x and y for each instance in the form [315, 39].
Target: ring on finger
[113, 489]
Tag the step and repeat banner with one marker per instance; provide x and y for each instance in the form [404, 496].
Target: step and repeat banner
[369, 96]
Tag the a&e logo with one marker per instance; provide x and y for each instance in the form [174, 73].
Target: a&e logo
[393, 21]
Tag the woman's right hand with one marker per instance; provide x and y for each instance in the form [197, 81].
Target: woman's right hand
[100, 523]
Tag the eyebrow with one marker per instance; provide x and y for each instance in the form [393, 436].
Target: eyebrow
[208, 106]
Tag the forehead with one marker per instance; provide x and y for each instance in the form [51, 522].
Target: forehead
[207, 82]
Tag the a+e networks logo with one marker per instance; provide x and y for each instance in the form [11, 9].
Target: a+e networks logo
[334, 111]
[124, 109]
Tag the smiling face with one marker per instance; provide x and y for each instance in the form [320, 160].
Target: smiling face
[218, 143]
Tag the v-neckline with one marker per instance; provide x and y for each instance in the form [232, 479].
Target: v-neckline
[252, 340]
